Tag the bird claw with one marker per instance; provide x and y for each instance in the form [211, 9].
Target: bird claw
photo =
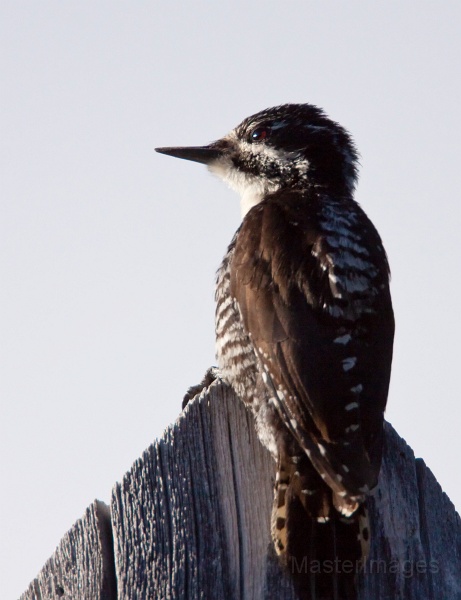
[210, 376]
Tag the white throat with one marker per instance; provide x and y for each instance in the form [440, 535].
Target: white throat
[250, 196]
[250, 188]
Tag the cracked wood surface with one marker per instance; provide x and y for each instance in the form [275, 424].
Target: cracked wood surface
[191, 519]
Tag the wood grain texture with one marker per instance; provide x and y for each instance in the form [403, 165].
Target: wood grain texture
[394, 516]
[82, 567]
[191, 520]
[440, 528]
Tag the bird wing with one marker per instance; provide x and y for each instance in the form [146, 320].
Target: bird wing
[326, 367]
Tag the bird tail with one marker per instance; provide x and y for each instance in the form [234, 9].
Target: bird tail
[322, 549]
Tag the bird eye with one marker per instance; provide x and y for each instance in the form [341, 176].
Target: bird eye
[259, 134]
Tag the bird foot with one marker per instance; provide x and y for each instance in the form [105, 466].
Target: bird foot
[211, 375]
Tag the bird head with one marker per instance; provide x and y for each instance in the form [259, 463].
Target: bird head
[293, 146]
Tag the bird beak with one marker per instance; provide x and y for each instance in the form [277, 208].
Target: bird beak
[201, 154]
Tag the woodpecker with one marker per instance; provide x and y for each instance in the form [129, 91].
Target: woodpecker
[304, 331]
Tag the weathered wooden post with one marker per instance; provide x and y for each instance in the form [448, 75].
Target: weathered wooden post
[191, 520]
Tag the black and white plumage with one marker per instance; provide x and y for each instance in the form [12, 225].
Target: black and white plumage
[304, 328]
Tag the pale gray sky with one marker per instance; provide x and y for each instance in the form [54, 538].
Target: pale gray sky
[108, 250]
